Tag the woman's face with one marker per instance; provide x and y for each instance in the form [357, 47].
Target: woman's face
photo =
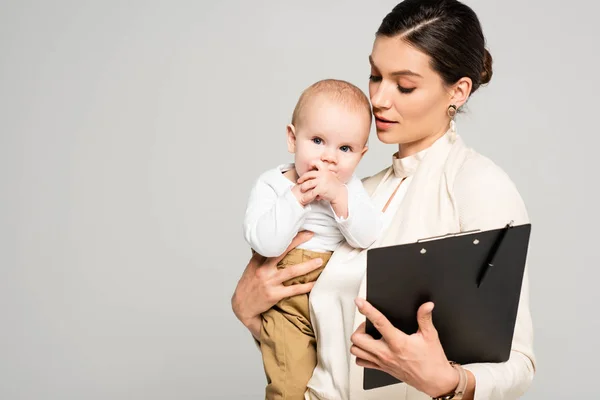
[409, 99]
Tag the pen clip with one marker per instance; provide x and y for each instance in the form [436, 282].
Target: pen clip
[493, 253]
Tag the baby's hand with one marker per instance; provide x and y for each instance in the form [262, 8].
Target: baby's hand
[303, 198]
[321, 184]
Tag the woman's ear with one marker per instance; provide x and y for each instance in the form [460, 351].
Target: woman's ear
[291, 138]
[460, 91]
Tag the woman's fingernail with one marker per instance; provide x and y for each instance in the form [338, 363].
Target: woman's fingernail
[319, 261]
[359, 302]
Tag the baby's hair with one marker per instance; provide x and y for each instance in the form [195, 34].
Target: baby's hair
[337, 90]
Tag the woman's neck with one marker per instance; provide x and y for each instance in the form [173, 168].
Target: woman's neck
[409, 149]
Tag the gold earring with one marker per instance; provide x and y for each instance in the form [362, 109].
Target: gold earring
[452, 113]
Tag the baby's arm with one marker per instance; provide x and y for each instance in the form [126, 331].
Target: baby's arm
[272, 220]
[364, 223]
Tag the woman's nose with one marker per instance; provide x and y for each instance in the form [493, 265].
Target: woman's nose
[381, 98]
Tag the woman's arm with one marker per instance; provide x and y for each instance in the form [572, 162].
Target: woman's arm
[486, 199]
[261, 285]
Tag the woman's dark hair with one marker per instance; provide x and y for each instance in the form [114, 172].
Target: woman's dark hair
[446, 30]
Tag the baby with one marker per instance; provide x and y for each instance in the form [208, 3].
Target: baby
[319, 193]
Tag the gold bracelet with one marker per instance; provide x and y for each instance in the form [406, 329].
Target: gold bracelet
[459, 392]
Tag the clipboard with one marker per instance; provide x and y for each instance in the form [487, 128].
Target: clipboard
[474, 279]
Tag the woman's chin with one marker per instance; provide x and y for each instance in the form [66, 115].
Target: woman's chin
[387, 137]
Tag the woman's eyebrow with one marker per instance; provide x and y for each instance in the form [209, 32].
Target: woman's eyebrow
[404, 72]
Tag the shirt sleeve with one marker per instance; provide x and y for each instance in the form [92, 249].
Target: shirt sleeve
[364, 223]
[273, 217]
[487, 199]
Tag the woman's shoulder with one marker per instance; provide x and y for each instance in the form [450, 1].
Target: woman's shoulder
[475, 169]
[483, 190]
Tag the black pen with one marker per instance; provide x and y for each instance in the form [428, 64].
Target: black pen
[492, 257]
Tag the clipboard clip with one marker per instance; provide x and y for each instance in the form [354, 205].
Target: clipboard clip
[493, 253]
[447, 235]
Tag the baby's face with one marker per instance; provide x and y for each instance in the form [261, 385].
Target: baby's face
[331, 136]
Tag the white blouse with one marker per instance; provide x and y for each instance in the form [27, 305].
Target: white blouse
[332, 305]
[453, 189]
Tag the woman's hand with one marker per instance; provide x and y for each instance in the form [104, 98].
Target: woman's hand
[261, 285]
[417, 359]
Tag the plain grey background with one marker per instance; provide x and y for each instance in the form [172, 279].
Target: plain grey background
[131, 133]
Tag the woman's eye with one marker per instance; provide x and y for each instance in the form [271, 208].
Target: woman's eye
[345, 149]
[374, 78]
[317, 140]
[405, 90]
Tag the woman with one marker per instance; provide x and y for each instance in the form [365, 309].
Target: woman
[427, 59]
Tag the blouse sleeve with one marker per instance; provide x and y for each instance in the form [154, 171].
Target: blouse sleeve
[487, 199]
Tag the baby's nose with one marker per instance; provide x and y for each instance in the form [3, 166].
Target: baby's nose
[328, 156]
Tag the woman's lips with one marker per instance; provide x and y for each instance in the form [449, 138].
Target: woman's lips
[383, 123]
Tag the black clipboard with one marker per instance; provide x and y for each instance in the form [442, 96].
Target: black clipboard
[474, 279]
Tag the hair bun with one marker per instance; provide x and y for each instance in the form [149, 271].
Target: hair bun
[486, 72]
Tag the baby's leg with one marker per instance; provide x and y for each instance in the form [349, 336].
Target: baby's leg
[287, 339]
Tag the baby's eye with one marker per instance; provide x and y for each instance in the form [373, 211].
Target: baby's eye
[317, 140]
[345, 149]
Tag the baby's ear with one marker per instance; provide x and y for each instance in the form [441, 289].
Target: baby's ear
[364, 151]
[291, 138]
